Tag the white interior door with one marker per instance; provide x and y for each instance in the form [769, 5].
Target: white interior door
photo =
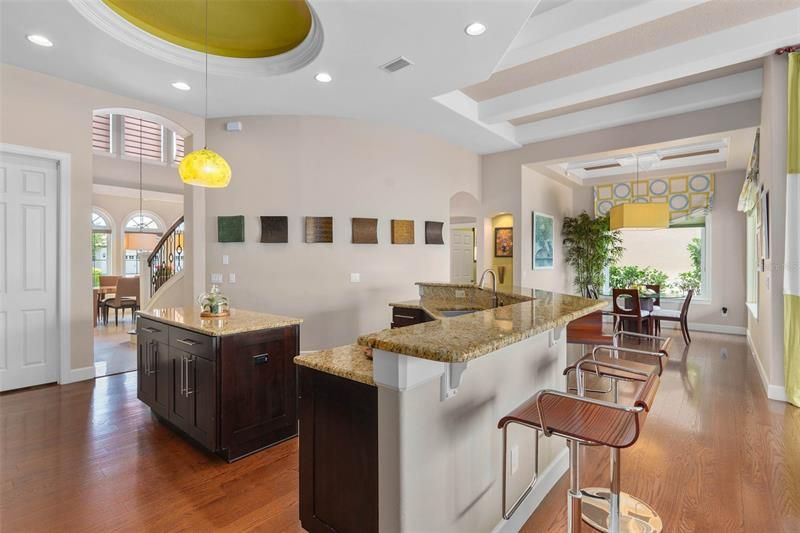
[28, 275]
[461, 254]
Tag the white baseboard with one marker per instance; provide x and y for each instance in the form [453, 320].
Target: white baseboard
[78, 374]
[774, 392]
[708, 328]
[543, 485]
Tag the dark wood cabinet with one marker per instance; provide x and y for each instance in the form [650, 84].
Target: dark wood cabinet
[232, 394]
[338, 454]
[408, 316]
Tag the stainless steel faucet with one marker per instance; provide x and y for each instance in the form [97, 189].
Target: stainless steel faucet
[494, 284]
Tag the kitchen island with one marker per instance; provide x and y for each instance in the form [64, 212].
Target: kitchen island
[228, 384]
[398, 432]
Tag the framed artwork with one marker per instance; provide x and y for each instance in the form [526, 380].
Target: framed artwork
[543, 245]
[230, 229]
[765, 250]
[402, 232]
[274, 229]
[504, 242]
[365, 230]
[319, 229]
[433, 232]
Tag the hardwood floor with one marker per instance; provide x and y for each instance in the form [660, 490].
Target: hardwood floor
[113, 350]
[715, 456]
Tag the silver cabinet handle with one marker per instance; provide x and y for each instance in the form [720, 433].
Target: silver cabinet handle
[188, 342]
[144, 359]
[405, 316]
[189, 391]
[150, 330]
[183, 390]
[154, 358]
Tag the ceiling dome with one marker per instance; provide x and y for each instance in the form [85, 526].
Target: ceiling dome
[236, 28]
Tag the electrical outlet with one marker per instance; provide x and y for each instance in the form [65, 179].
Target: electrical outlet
[355, 277]
[460, 293]
[216, 278]
[231, 277]
[225, 259]
[724, 311]
[514, 459]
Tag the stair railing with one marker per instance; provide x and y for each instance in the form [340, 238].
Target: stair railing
[167, 258]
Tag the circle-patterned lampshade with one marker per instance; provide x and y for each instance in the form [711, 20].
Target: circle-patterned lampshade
[205, 168]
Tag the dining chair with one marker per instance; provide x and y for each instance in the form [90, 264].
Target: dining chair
[106, 281]
[626, 303]
[126, 297]
[680, 316]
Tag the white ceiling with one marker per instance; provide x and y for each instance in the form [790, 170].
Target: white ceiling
[361, 35]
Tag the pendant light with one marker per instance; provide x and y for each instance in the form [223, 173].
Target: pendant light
[204, 167]
[140, 238]
[639, 215]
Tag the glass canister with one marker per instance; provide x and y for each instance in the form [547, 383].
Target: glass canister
[213, 303]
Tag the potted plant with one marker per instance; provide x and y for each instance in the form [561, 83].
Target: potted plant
[589, 248]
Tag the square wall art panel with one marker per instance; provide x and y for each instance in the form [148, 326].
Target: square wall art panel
[365, 231]
[402, 232]
[274, 229]
[543, 241]
[319, 229]
[433, 232]
[230, 229]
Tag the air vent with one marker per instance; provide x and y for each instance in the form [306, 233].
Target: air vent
[602, 167]
[688, 154]
[396, 64]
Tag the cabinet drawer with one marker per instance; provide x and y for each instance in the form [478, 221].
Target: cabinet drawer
[192, 342]
[407, 316]
[153, 330]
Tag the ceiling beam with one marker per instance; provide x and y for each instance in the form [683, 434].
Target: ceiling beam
[716, 50]
[468, 108]
[576, 23]
[704, 95]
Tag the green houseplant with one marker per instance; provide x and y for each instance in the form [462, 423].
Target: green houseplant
[589, 247]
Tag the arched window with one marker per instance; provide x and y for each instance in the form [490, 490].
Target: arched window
[101, 244]
[142, 233]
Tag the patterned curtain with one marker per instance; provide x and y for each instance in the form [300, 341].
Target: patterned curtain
[689, 197]
[791, 276]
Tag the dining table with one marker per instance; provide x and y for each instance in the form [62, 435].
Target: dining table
[99, 292]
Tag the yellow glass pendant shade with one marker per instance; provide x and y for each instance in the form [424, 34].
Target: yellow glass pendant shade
[639, 216]
[205, 168]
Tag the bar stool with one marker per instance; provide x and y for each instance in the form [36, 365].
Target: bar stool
[588, 421]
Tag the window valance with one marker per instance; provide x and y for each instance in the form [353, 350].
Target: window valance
[689, 197]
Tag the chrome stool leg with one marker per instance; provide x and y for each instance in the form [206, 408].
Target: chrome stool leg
[574, 509]
[508, 513]
[613, 511]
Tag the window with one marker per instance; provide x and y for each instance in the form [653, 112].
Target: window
[101, 246]
[177, 148]
[142, 137]
[752, 262]
[674, 258]
[142, 233]
[101, 133]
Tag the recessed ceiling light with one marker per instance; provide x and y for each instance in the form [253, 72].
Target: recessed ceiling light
[323, 77]
[41, 40]
[182, 86]
[475, 29]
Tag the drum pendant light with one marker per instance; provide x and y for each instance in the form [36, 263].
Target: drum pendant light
[204, 167]
[639, 215]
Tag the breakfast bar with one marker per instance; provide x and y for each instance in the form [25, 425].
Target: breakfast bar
[412, 413]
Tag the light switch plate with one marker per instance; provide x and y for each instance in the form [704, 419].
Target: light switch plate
[216, 278]
[355, 277]
[226, 259]
[460, 293]
[231, 277]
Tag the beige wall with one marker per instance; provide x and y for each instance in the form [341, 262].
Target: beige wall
[121, 207]
[766, 331]
[299, 166]
[544, 195]
[48, 113]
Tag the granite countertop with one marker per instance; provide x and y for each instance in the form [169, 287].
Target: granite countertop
[350, 362]
[467, 337]
[239, 321]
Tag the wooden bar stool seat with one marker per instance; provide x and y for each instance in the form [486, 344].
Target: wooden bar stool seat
[588, 421]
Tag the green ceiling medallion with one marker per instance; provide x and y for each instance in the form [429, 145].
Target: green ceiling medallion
[237, 28]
